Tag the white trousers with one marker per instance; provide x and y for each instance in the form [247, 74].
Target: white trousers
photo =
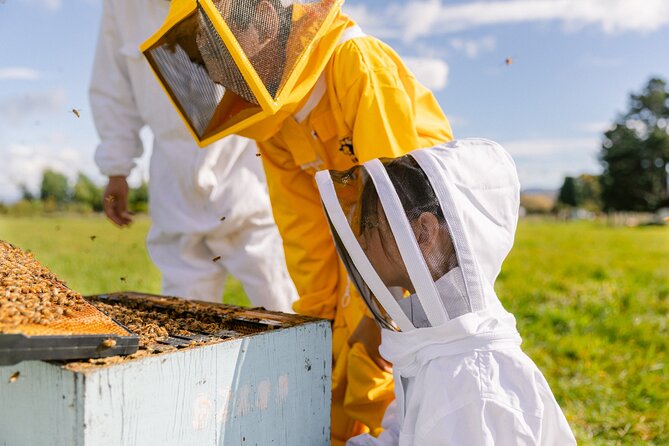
[253, 254]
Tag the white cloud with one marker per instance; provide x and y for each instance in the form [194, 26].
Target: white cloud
[423, 18]
[457, 120]
[371, 22]
[431, 72]
[548, 146]
[18, 108]
[541, 174]
[603, 61]
[18, 73]
[598, 127]
[23, 164]
[473, 47]
[544, 162]
[51, 5]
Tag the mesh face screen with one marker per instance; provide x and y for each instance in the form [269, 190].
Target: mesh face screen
[218, 60]
[273, 37]
[262, 34]
[406, 255]
[308, 18]
[365, 292]
[365, 217]
[200, 72]
[423, 209]
[179, 63]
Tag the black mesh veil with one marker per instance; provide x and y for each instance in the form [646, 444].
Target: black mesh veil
[227, 64]
[392, 235]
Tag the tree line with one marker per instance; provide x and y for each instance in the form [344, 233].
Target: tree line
[635, 159]
[634, 156]
[56, 194]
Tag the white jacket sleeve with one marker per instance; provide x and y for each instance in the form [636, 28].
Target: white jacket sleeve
[115, 113]
[390, 434]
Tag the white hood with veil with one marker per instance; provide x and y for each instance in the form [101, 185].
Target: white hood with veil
[460, 375]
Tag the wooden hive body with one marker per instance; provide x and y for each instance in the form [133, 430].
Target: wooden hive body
[267, 388]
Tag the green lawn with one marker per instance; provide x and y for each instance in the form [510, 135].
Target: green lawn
[592, 305]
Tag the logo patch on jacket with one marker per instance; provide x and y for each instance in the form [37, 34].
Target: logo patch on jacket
[346, 147]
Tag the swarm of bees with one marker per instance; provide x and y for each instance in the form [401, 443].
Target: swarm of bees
[31, 294]
[137, 321]
[153, 326]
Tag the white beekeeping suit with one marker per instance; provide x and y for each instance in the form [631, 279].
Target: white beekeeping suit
[423, 238]
[204, 203]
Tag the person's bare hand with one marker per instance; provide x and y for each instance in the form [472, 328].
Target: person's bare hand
[368, 333]
[115, 201]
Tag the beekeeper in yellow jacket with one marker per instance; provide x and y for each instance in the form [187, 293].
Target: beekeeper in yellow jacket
[304, 81]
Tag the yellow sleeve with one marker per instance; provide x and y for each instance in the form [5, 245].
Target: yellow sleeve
[384, 109]
[310, 253]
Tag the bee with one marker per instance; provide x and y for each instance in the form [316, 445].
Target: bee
[93, 237]
[110, 199]
[14, 377]
[122, 279]
[508, 61]
[216, 259]
[108, 343]
[76, 112]
[258, 154]
[222, 218]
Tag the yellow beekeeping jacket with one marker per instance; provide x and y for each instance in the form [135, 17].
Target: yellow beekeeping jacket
[372, 107]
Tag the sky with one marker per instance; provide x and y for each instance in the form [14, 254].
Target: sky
[573, 66]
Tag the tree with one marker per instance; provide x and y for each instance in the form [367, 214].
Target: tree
[86, 192]
[568, 192]
[590, 192]
[138, 201]
[54, 187]
[25, 193]
[635, 153]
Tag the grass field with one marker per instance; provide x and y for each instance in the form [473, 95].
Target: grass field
[93, 256]
[592, 305]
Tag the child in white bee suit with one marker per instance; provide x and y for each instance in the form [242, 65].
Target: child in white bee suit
[423, 238]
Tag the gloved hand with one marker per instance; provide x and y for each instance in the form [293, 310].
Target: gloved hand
[368, 333]
[115, 201]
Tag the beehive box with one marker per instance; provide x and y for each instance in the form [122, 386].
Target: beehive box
[234, 377]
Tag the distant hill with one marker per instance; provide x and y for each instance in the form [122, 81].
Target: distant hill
[538, 201]
[553, 193]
